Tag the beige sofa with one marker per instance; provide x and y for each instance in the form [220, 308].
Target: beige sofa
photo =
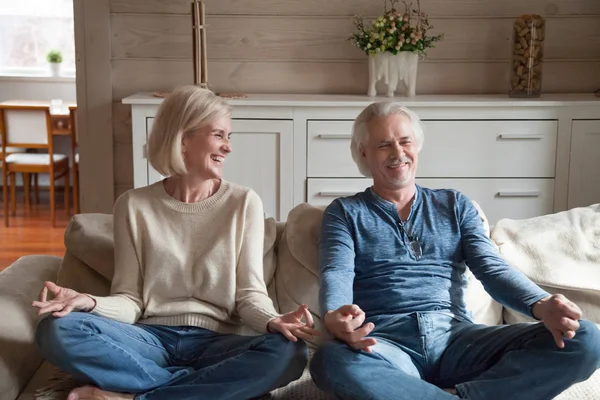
[290, 259]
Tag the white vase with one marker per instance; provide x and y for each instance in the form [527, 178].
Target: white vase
[54, 69]
[394, 69]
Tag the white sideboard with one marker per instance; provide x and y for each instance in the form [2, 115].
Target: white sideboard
[518, 158]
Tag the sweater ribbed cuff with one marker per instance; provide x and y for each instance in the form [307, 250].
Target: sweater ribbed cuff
[116, 308]
[259, 318]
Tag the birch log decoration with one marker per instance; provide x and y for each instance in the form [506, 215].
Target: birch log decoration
[199, 44]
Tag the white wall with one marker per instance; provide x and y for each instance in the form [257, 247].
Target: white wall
[18, 88]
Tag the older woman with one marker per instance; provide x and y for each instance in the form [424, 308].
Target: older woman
[188, 276]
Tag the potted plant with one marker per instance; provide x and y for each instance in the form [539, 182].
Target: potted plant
[394, 42]
[54, 58]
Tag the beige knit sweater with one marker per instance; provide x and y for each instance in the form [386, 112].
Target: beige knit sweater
[196, 264]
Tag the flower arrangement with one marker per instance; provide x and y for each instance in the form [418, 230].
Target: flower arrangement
[394, 31]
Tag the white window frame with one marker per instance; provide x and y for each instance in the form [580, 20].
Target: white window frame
[36, 73]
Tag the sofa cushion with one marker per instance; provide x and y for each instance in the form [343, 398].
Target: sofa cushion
[270, 259]
[44, 385]
[20, 284]
[297, 276]
[77, 275]
[89, 237]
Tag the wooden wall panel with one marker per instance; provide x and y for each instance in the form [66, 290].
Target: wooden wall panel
[121, 122]
[342, 77]
[120, 189]
[123, 164]
[94, 104]
[291, 38]
[283, 46]
[477, 8]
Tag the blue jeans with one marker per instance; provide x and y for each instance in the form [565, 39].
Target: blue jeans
[163, 362]
[419, 353]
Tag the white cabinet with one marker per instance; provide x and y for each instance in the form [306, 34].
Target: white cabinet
[453, 149]
[584, 171]
[507, 166]
[499, 198]
[261, 158]
[518, 158]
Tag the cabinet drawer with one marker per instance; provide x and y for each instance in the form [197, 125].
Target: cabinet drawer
[499, 198]
[328, 149]
[452, 149]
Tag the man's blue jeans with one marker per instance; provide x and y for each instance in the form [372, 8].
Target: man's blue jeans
[162, 362]
[419, 353]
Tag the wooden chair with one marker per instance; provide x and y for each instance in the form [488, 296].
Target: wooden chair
[74, 156]
[30, 127]
[9, 151]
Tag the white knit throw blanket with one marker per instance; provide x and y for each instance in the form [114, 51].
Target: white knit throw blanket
[559, 251]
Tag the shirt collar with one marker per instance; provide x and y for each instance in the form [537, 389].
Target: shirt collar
[389, 206]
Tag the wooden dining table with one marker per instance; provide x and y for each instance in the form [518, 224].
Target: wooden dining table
[59, 113]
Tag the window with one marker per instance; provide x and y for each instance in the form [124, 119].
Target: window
[29, 29]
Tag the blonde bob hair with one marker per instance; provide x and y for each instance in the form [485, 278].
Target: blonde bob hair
[186, 109]
[380, 109]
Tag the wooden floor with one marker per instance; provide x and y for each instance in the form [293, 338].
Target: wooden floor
[31, 232]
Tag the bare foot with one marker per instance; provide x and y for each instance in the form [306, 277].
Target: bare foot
[93, 393]
[451, 391]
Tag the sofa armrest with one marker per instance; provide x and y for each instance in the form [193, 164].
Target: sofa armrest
[20, 284]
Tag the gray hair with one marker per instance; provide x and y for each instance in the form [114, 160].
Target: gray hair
[378, 110]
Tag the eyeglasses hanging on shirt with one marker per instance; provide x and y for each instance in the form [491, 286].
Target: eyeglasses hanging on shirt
[414, 243]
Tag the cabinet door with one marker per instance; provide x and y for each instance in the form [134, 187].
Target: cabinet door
[151, 173]
[262, 159]
[584, 170]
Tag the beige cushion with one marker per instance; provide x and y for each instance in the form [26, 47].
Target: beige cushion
[270, 259]
[297, 276]
[89, 237]
[20, 284]
[485, 309]
[77, 275]
[44, 382]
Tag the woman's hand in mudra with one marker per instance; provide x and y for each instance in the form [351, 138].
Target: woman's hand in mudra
[292, 327]
[65, 301]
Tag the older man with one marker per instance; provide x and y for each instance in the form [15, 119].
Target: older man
[392, 262]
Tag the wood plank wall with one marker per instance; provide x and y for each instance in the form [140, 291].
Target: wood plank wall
[283, 46]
